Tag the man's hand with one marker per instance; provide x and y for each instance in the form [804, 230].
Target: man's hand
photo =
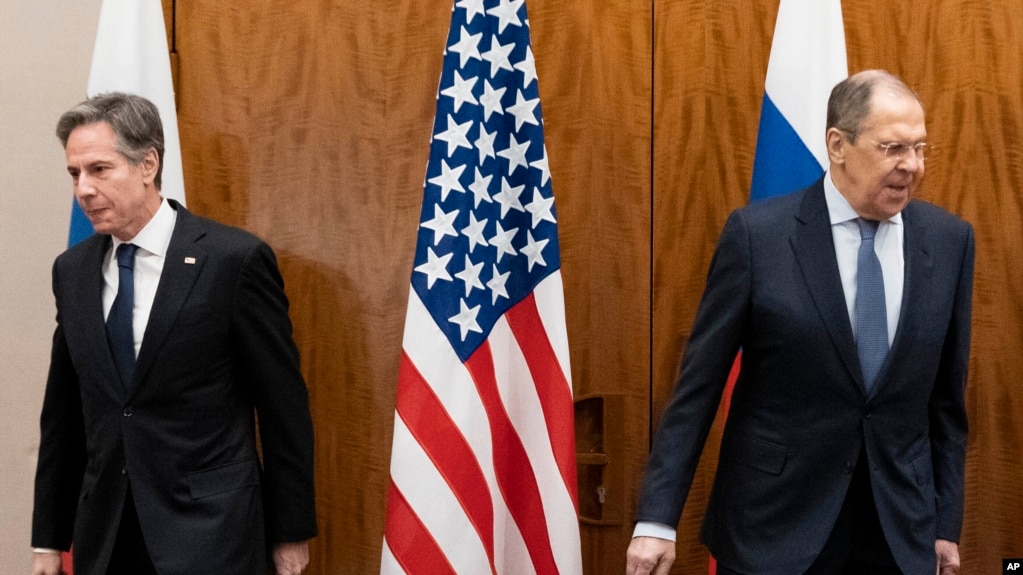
[291, 558]
[649, 556]
[46, 564]
[948, 557]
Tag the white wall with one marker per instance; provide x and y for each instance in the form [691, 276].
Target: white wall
[45, 50]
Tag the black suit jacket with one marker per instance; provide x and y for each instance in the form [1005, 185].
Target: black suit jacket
[800, 414]
[217, 349]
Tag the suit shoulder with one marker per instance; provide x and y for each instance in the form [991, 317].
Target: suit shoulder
[772, 211]
[82, 250]
[937, 217]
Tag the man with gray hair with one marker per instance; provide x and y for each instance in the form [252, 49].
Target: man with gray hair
[845, 443]
[172, 336]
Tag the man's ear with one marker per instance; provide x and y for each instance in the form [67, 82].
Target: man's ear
[837, 145]
[150, 164]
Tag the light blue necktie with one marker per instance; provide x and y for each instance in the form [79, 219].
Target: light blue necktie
[871, 312]
[119, 321]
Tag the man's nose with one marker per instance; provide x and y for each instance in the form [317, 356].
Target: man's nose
[911, 163]
[84, 186]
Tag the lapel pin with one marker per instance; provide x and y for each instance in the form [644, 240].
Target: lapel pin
[190, 260]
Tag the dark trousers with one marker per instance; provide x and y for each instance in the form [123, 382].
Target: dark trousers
[130, 555]
[856, 545]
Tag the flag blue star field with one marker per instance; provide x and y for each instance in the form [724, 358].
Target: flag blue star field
[807, 60]
[483, 476]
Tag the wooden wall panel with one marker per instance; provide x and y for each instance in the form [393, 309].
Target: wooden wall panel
[965, 58]
[310, 125]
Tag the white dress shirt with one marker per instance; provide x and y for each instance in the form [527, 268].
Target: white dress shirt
[152, 242]
[845, 230]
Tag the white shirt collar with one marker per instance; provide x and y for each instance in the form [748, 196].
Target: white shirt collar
[155, 236]
[839, 209]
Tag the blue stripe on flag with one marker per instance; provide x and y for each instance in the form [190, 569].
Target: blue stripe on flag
[81, 227]
[783, 163]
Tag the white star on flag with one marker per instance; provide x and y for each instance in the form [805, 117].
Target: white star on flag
[466, 319]
[498, 56]
[534, 250]
[508, 197]
[470, 275]
[442, 224]
[474, 232]
[461, 91]
[496, 285]
[472, 8]
[435, 268]
[491, 100]
[515, 153]
[523, 111]
[479, 188]
[447, 181]
[507, 13]
[541, 208]
[485, 144]
[528, 67]
[541, 164]
[456, 135]
[483, 471]
[502, 240]
[467, 47]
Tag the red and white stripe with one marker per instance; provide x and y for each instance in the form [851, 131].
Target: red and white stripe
[483, 460]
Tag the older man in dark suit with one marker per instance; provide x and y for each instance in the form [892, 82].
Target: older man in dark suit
[845, 442]
[172, 335]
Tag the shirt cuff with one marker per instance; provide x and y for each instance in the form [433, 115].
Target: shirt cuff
[651, 529]
[45, 551]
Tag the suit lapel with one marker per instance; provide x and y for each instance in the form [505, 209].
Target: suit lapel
[919, 267]
[83, 316]
[185, 259]
[814, 247]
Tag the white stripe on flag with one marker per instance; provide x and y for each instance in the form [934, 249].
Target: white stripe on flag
[428, 493]
[131, 55]
[807, 60]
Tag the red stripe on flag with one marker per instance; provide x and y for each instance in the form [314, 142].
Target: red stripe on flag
[416, 551]
[444, 444]
[515, 475]
[551, 386]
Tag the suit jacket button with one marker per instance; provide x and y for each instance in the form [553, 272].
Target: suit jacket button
[124, 471]
[128, 411]
[848, 467]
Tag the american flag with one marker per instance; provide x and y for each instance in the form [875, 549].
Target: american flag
[483, 476]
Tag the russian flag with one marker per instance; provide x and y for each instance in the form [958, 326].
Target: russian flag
[131, 55]
[807, 60]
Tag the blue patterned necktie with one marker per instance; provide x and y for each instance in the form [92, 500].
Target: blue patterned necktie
[871, 311]
[119, 322]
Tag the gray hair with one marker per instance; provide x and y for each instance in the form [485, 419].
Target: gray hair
[849, 104]
[134, 120]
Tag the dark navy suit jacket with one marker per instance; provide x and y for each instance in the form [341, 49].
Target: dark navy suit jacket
[800, 414]
[217, 349]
